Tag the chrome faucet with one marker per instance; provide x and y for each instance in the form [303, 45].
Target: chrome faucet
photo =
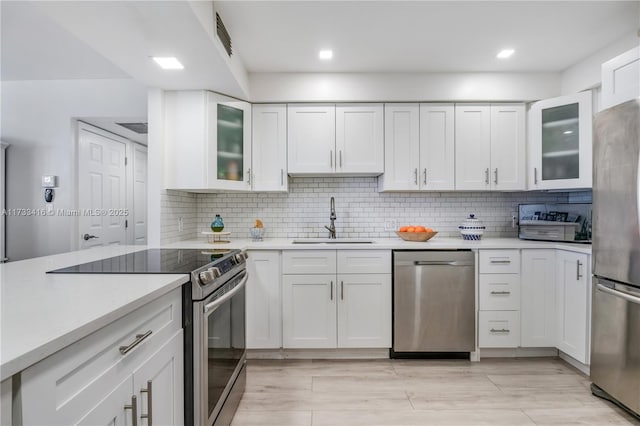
[332, 228]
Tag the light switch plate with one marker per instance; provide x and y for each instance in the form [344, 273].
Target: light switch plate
[390, 224]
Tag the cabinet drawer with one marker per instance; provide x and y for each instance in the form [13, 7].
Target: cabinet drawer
[364, 261]
[63, 386]
[499, 329]
[499, 261]
[309, 262]
[499, 292]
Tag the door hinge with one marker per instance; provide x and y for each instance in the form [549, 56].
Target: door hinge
[126, 224]
[125, 161]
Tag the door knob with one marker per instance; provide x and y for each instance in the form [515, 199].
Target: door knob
[87, 237]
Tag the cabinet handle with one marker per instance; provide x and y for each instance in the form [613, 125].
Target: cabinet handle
[281, 177]
[331, 158]
[134, 410]
[535, 175]
[578, 265]
[502, 330]
[341, 290]
[340, 158]
[331, 290]
[148, 416]
[249, 176]
[501, 262]
[415, 176]
[139, 338]
[425, 176]
[500, 292]
[496, 176]
[486, 176]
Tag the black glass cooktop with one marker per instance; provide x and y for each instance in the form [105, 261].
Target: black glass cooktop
[151, 261]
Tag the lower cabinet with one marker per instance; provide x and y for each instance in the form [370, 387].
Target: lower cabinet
[340, 308]
[264, 307]
[499, 329]
[538, 307]
[123, 374]
[573, 304]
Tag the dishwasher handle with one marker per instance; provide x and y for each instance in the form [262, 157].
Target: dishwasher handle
[439, 263]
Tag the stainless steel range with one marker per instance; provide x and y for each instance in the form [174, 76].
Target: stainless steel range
[213, 321]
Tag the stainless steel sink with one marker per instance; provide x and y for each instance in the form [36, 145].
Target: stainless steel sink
[332, 241]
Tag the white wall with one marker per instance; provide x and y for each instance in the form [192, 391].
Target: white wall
[398, 87]
[586, 73]
[38, 121]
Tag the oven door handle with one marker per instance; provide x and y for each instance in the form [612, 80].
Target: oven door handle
[213, 305]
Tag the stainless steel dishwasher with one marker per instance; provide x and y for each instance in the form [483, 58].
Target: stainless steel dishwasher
[433, 303]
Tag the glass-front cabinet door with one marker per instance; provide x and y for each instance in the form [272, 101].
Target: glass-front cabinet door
[230, 143]
[560, 142]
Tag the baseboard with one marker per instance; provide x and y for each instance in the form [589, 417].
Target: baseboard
[517, 352]
[586, 369]
[377, 353]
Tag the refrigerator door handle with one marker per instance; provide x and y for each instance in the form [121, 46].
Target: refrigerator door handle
[618, 293]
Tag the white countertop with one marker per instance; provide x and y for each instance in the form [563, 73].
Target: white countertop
[436, 243]
[43, 313]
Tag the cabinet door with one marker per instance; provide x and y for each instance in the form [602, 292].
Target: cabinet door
[538, 307]
[264, 311]
[269, 148]
[111, 410]
[312, 138]
[229, 153]
[309, 311]
[572, 304]
[364, 311]
[560, 145]
[359, 138]
[620, 81]
[473, 146]
[159, 385]
[507, 147]
[437, 147]
[401, 148]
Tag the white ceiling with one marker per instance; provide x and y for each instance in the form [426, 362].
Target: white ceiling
[423, 36]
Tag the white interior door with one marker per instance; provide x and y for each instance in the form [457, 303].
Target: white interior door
[102, 199]
[139, 203]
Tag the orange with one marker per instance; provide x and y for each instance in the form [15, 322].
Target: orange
[428, 230]
[420, 229]
[404, 228]
[411, 229]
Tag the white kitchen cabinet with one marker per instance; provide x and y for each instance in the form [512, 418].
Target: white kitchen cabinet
[620, 79]
[573, 291]
[309, 311]
[91, 381]
[364, 310]
[327, 139]
[498, 329]
[207, 142]
[6, 402]
[560, 142]
[538, 306]
[264, 308]
[336, 304]
[269, 148]
[490, 147]
[419, 148]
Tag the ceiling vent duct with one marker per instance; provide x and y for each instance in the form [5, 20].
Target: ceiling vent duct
[139, 128]
[223, 34]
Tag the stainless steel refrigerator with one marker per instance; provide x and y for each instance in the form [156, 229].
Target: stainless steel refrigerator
[615, 328]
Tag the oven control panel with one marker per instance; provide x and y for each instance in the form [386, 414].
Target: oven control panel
[222, 266]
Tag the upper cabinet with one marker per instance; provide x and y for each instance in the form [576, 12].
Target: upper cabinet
[560, 142]
[207, 142]
[328, 139]
[490, 147]
[269, 148]
[621, 78]
[419, 147]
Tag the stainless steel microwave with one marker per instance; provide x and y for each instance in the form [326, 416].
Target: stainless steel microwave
[570, 222]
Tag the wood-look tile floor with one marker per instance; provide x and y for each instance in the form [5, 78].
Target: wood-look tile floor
[542, 391]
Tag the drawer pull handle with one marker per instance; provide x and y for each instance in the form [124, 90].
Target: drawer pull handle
[148, 416]
[500, 292]
[139, 338]
[134, 410]
[502, 330]
[501, 262]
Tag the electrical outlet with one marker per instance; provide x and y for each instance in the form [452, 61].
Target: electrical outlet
[180, 224]
[390, 224]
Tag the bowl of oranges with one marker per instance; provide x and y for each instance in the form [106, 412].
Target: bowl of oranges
[415, 233]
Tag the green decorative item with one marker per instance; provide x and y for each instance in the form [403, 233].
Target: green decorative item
[217, 225]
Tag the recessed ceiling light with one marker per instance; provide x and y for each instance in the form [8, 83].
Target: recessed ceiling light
[505, 53]
[325, 54]
[168, 63]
